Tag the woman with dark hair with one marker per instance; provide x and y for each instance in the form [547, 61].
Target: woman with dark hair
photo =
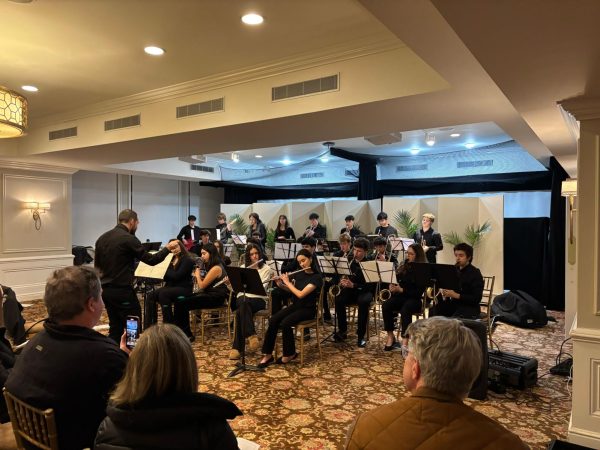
[256, 226]
[283, 230]
[226, 259]
[157, 403]
[406, 298]
[178, 282]
[247, 305]
[210, 296]
[305, 288]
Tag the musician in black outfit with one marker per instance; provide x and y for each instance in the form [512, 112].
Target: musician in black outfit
[406, 298]
[381, 254]
[178, 282]
[384, 229]
[190, 233]
[430, 239]
[355, 291]
[350, 229]
[223, 227]
[116, 252]
[463, 303]
[204, 239]
[315, 230]
[256, 226]
[283, 230]
[305, 288]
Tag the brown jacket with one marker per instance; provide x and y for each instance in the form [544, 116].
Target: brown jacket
[428, 420]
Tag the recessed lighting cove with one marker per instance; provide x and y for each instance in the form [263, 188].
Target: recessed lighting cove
[286, 162]
[415, 151]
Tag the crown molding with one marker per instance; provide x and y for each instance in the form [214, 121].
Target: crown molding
[20, 165]
[343, 52]
[582, 108]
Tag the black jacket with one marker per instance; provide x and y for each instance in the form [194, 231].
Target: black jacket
[184, 421]
[186, 233]
[433, 240]
[116, 251]
[71, 369]
[7, 362]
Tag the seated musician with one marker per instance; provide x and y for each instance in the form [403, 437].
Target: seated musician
[430, 239]
[178, 282]
[350, 229]
[223, 227]
[380, 253]
[406, 298]
[226, 259]
[204, 239]
[355, 291]
[345, 246]
[463, 303]
[305, 288]
[315, 229]
[190, 233]
[211, 296]
[384, 229]
[245, 306]
[283, 230]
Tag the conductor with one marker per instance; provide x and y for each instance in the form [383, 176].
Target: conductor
[116, 252]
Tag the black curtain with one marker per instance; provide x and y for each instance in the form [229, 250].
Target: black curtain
[554, 264]
[525, 245]
[368, 187]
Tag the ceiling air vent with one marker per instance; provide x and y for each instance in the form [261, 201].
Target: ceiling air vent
[325, 84]
[123, 122]
[196, 109]
[384, 139]
[199, 168]
[312, 175]
[411, 168]
[62, 134]
[351, 173]
[482, 163]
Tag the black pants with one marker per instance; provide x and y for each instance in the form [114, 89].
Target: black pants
[120, 301]
[279, 299]
[353, 297]
[452, 308]
[244, 315]
[286, 319]
[399, 303]
[165, 297]
[198, 301]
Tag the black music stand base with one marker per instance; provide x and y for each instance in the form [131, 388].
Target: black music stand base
[241, 367]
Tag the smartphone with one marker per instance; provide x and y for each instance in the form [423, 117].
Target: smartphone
[132, 331]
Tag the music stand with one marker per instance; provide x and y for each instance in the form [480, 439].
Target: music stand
[275, 266]
[400, 244]
[333, 265]
[246, 281]
[441, 276]
[333, 246]
[151, 246]
[286, 250]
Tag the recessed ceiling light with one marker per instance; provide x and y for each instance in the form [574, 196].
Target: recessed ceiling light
[286, 162]
[29, 88]
[154, 51]
[252, 19]
[325, 159]
[430, 139]
[235, 157]
[455, 135]
[469, 145]
[415, 151]
[258, 156]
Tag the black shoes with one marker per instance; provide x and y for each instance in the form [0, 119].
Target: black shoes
[291, 358]
[395, 346]
[340, 337]
[361, 343]
[268, 362]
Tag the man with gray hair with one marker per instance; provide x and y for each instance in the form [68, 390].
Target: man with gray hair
[116, 252]
[441, 362]
[68, 366]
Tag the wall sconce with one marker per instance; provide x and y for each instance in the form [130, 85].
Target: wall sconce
[36, 209]
[569, 189]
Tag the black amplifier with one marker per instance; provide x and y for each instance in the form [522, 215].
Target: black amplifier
[512, 370]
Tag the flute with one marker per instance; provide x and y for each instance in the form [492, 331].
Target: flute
[278, 277]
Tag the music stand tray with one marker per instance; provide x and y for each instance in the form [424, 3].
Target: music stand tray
[246, 281]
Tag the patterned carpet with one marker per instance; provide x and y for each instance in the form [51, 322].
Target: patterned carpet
[311, 407]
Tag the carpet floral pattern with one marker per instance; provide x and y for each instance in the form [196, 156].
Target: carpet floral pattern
[311, 407]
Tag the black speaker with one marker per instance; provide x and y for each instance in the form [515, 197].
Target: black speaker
[480, 386]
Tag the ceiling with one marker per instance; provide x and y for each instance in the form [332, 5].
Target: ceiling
[499, 74]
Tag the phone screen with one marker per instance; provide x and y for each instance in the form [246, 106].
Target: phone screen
[133, 331]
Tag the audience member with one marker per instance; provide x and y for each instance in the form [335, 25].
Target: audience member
[156, 405]
[68, 366]
[13, 320]
[442, 361]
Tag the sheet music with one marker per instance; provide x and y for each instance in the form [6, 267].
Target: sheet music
[341, 264]
[286, 250]
[239, 239]
[407, 242]
[399, 243]
[378, 271]
[228, 249]
[275, 266]
[157, 272]
[325, 264]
